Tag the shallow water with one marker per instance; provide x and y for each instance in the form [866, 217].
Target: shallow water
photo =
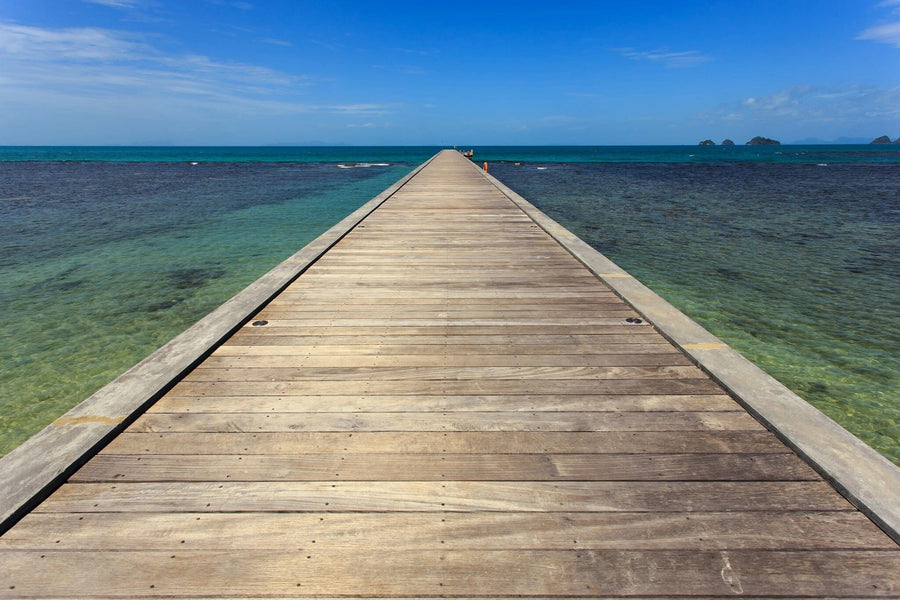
[789, 254]
[102, 263]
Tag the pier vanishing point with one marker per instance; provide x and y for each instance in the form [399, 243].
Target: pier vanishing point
[447, 395]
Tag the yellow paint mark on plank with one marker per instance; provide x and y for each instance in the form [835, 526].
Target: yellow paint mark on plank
[88, 419]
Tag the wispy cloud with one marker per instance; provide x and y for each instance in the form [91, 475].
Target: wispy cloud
[889, 33]
[115, 3]
[34, 44]
[356, 109]
[886, 33]
[672, 60]
[91, 65]
[276, 42]
[413, 51]
[812, 105]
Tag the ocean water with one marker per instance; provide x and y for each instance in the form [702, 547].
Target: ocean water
[791, 254]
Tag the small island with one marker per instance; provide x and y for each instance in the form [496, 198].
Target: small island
[727, 142]
[884, 140]
[763, 141]
[707, 143]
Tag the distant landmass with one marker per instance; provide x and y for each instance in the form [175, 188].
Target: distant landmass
[757, 141]
[884, 140]
[763, 141]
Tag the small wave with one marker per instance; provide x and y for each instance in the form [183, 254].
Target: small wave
[541, 168]
[363, 165]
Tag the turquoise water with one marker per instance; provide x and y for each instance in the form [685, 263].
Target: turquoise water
[788, 253]
[102, 262]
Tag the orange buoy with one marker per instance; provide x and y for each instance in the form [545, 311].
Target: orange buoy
[485, 166]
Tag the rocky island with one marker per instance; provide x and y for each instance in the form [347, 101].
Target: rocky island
[725, 142]
[763, 141]
[884, 140]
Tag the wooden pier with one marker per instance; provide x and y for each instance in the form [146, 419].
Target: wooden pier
[451, 400]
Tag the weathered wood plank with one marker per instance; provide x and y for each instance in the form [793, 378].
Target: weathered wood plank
[415, 442]
[424, 374]
[453, 387]
[441, 467]
[443, 403]
[454, 572]
[516, 343]
[418, 496]
[454, 331]
[446, 422]
[447, 531]
[314, 360]
[360, 346]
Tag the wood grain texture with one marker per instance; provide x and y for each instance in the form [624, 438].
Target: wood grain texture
[446, 404]
[465, 573]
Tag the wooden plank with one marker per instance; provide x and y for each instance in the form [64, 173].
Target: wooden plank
[462, 315]
[440, 467]
[372, 361]
[423, 374]
[443, 403]
[799, 530]
[521, 332]
[418, 496]
[415, 442]
[516, 343]
[357, 346]
[454, 387]
[454, 572]
[446, 422]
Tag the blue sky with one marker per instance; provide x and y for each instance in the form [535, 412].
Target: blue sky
[258, 72]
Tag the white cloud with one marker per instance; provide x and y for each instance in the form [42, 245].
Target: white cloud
[889, 33]
[672, 60]
[19, 42]
[886, 33]
[115, 3]
[809, 105]
[355, 109]
[92, 85]
[276, 42]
